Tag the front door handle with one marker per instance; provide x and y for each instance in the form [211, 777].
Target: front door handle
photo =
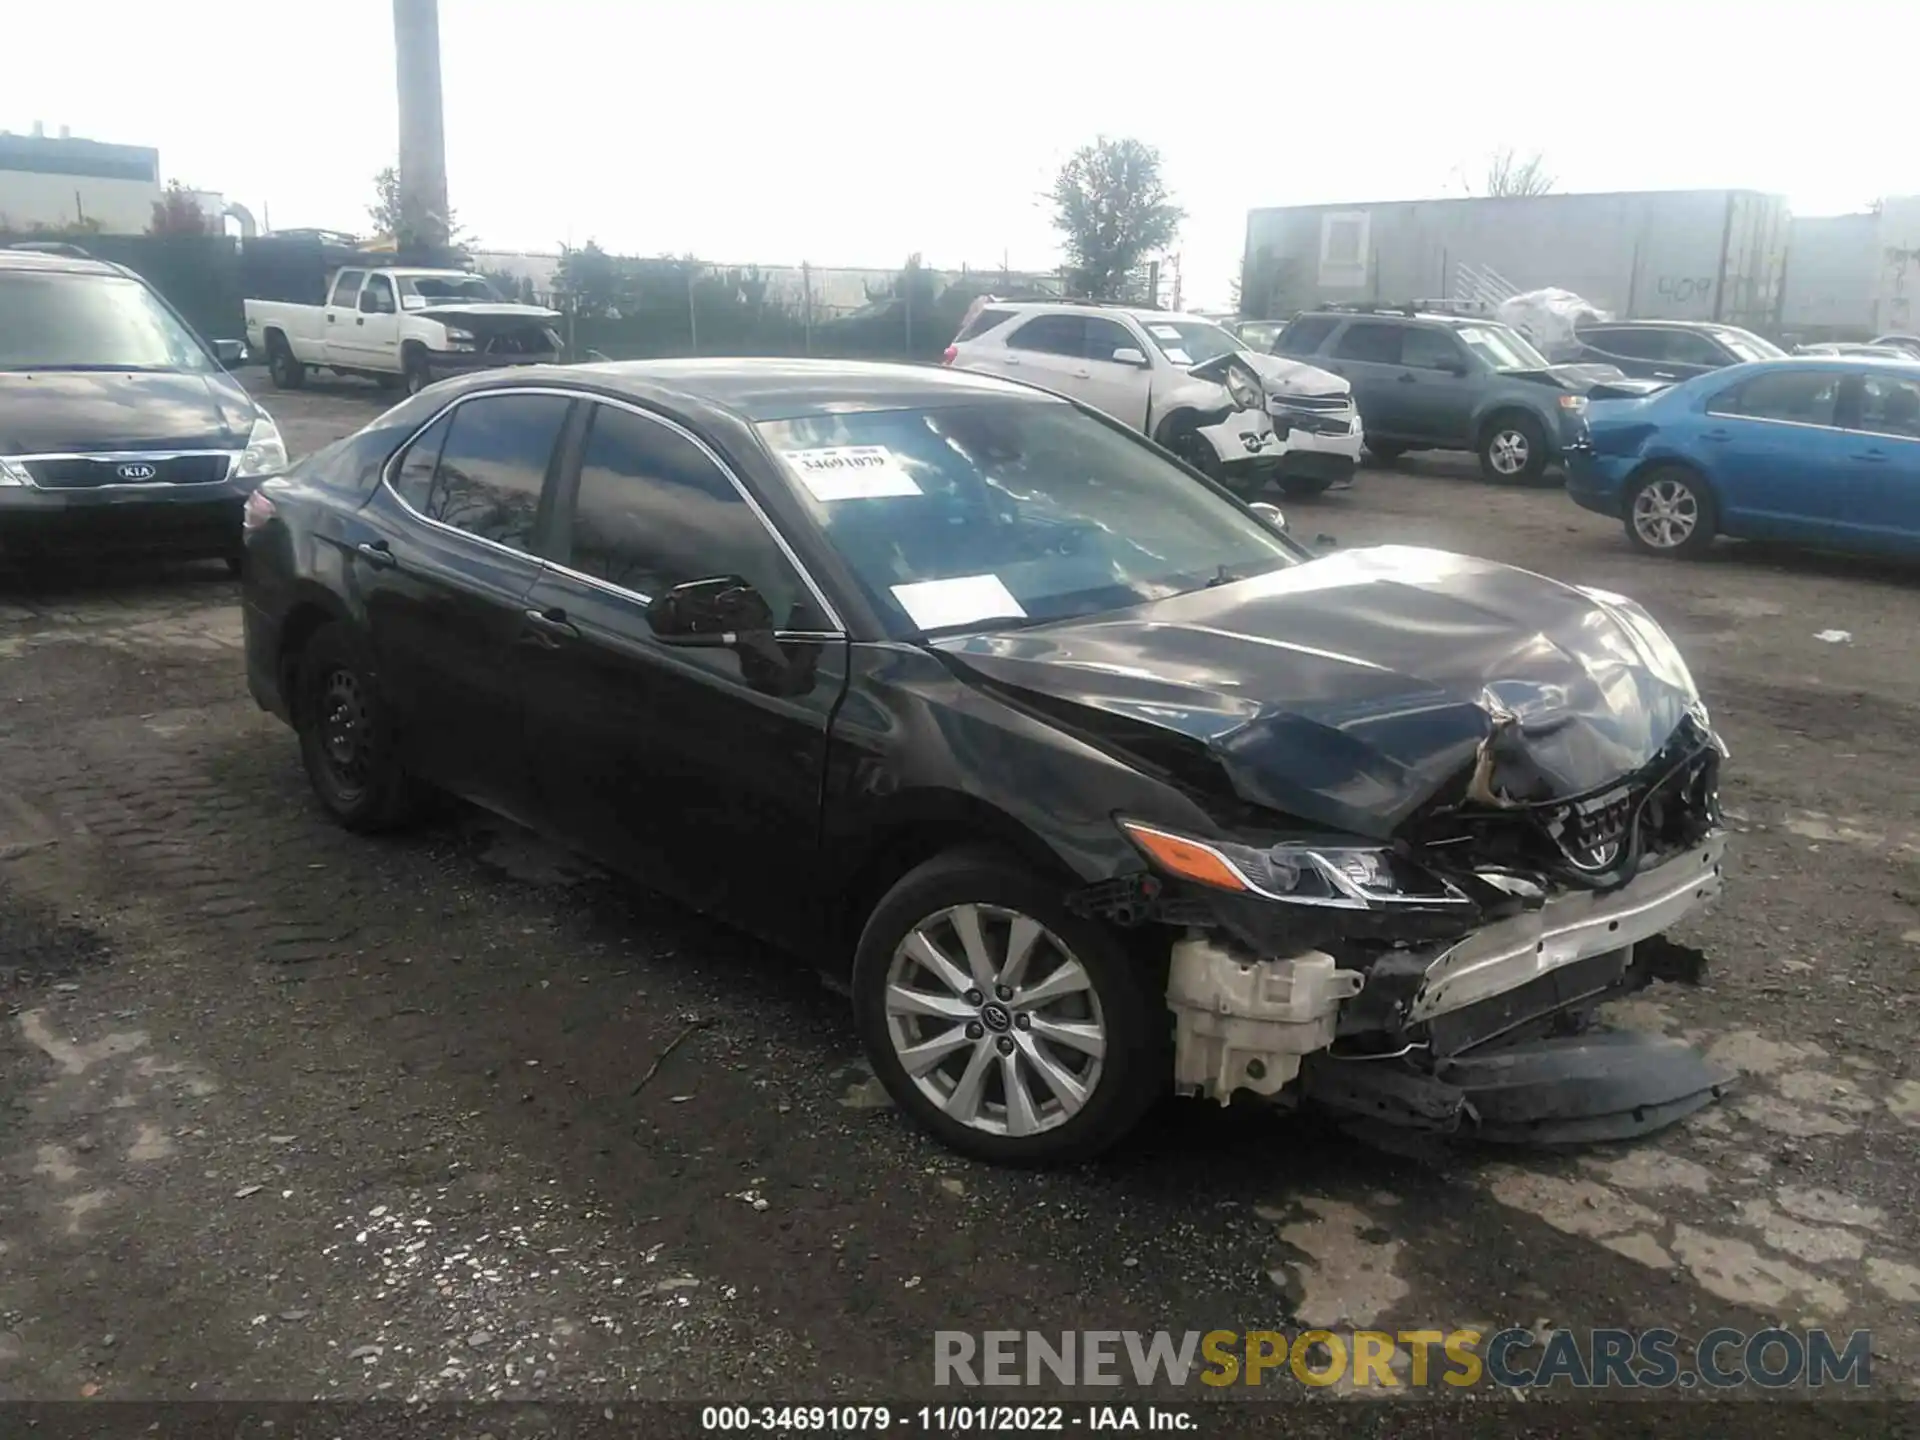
[376, 554]
[1664, 375]
[329, 319]
[549, 627]
[1011, 360]
[359, 319]
[1719, 437]
[1406, 379]
[1083, 374]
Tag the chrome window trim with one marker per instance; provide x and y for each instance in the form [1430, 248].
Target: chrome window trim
[128, 457]
[1771, 420]
[593, 397]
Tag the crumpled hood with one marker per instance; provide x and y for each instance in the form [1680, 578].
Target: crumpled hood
[1279, 377]
[49, 412]
[1348, 691]
[503, 310]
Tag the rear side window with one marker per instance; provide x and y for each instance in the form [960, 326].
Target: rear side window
[1804, 397]
[346, 290]
[1305, 335]
[1890, 406]
[1051, 335]
[493, 465]
[1368, 340]
[1631, 344]
[1687, 347]
[986, 320]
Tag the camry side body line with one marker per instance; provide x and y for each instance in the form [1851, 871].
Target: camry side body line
[1086, 779]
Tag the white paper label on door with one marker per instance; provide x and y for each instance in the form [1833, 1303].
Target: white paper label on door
[851, 472]
[931, 604]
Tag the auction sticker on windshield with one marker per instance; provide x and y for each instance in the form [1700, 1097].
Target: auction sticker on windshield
[851, 472]
[1163, 332]
[931, 604]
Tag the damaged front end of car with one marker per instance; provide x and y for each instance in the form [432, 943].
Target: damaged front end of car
[1445, 975]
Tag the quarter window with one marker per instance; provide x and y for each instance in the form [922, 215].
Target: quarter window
[654, 511]
[493, 465]
[1804, 397]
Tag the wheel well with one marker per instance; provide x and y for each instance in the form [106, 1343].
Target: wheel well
[1669, 462]
[276, 337]
[295, 631]
[1172, 424]
[897, 849]
[412, 347]
[1505, 413]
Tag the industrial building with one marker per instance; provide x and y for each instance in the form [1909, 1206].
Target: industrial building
[60, 181]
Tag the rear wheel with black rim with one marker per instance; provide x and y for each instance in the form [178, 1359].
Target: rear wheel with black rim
[347, 736]
[1670, 512]
[1011, 1029]
[1513, 449]
[286, 371]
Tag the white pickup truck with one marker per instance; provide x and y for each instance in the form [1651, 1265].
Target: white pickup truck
[401, 327]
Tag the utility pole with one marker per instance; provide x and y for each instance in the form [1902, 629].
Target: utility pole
[423, 137]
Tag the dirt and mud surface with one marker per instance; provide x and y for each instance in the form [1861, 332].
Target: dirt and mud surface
[285, 1113]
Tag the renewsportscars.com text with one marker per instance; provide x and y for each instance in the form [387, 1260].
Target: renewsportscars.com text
[1400, 1359]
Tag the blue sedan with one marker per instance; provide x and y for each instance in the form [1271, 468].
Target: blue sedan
[1814, 450]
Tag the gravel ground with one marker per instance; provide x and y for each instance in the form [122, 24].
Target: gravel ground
[290, 1114]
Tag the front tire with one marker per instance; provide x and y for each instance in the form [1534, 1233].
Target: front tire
[347, 736]
[1670, 512]
[418, 373]
[1006, 1026]
[1513, 450]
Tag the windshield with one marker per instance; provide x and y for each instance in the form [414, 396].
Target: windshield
[1190, 342]
[1749, 346]
[51, 320]
[1259, 335]
[1501, 348]
[435, 288]
[990, 514]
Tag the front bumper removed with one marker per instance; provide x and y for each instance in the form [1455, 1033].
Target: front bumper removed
[1480, 1042]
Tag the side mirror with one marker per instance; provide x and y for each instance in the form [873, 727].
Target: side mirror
[1128, 355]
[1270, 514]
[229, 353]
[712, 613]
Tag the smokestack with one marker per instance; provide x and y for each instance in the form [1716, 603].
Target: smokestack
[39, 131]
[423, 141]
[65, 133]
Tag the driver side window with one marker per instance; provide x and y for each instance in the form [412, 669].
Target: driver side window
[1103, 337]
[653, 511]
[376, 298]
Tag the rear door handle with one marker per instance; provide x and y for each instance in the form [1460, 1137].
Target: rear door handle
[1083, 374]
[1718, 436]
[549, 627]
[1872, 457]
[1011, 360]
[329, 319]
[359, 319]
[376, 554]
[1664, 375]
[1406, 379]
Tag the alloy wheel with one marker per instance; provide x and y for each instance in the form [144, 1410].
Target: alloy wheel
[995, 1020]
[1508, 452]
[1665, 514]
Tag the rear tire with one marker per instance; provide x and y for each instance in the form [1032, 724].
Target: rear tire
[347, 735]
[1670, 512]
[1053, 1068]
[287, 372]
[1513, 450]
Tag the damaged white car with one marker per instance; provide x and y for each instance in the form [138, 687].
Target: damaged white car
[1242, 418]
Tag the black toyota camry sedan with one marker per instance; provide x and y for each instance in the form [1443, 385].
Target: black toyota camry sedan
[1087, 780]
[121, 432]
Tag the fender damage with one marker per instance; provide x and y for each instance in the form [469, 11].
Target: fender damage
[1502, 790]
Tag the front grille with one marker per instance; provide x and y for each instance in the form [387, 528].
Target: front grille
[1591, 833]
[1311, 402]
[91, 473]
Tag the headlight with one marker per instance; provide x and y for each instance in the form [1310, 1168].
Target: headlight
[13, 473]
[458, 339]
[1245, 389]
[1341, 877]
[266, 452]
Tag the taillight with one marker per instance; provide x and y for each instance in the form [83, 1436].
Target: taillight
[952, 353]
[257, 511]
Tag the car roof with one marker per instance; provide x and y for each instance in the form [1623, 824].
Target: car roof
[770, 388]
[44, 262]
[1391, 316]
[1712, 326]
[1142, 313]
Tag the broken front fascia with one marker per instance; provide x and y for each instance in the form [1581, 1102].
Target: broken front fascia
[1292, 945]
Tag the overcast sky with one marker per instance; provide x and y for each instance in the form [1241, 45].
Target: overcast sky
[853, 133]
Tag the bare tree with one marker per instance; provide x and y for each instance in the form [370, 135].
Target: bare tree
[1509, 175]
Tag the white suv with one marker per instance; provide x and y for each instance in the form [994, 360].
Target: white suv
[1186, 382]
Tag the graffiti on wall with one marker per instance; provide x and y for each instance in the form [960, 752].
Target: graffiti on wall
[1684, 289]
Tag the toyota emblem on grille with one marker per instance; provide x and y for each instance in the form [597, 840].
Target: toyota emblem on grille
[135, 472]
